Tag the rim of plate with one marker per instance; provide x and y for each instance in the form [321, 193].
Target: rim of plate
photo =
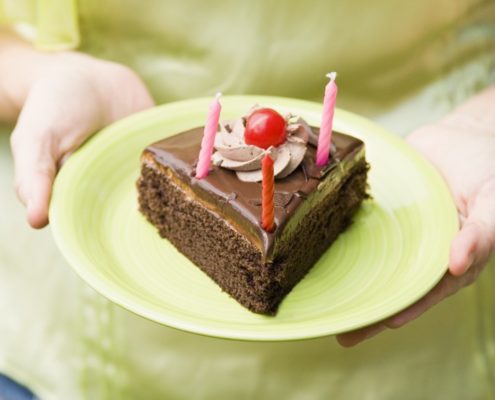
[120, 296]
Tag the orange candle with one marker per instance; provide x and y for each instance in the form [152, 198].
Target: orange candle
[267, 194]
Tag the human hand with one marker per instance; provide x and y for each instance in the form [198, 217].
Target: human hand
[74, 96]
[462, 148]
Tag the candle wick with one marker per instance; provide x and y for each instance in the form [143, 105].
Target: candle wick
[332, 76]
[268, 152]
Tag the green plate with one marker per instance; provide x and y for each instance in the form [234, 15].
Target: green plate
[396, 250]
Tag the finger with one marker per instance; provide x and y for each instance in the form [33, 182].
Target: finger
[462, 251]
[35, 168]
[447, 286]
[34, 174]
[476, 240]
[350, 339]
[37, 206]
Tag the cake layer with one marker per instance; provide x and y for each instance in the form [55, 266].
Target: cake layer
[239, 202]
[226, 255]
[215, 221]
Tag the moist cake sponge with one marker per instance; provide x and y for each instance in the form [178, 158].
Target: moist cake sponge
[215, 221]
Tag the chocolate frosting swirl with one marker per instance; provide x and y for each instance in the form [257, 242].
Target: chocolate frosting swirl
[233, 153]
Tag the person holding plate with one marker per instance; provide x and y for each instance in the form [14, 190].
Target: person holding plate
[68, 69]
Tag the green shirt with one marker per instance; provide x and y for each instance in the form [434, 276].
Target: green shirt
[400, 63]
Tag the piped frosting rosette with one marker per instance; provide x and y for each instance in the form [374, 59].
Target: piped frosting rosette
[233, 153]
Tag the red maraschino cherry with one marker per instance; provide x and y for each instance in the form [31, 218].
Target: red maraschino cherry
[264, 128]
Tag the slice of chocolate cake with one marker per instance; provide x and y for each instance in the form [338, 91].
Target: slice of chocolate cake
[215, 221]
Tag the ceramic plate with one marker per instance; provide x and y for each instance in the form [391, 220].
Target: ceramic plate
[395, 252]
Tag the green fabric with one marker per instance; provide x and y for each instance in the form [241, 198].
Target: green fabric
[388, 54]
[54, 22]
[401, 63]
[12, 11]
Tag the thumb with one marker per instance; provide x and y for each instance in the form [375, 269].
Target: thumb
[475, 241]
[35, 168]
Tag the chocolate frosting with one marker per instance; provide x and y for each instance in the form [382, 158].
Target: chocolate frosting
[240, 202]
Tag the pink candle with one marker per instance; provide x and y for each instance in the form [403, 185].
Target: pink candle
[325, 137]
[209, 133]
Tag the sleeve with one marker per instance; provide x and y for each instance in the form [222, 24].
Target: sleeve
[51, 25]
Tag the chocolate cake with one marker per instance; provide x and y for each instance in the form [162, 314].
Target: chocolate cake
[215, 221]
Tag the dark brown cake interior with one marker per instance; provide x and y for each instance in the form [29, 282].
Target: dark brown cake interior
[240, 201]
[215, 221]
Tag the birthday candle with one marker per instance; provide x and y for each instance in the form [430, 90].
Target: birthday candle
[209, 133]
[325, 137]
[267, 194]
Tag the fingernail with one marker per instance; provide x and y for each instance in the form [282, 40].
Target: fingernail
[21, 195]
[29, 206]
[469, 262]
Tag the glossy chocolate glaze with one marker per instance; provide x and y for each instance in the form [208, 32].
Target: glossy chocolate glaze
[240, 202]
